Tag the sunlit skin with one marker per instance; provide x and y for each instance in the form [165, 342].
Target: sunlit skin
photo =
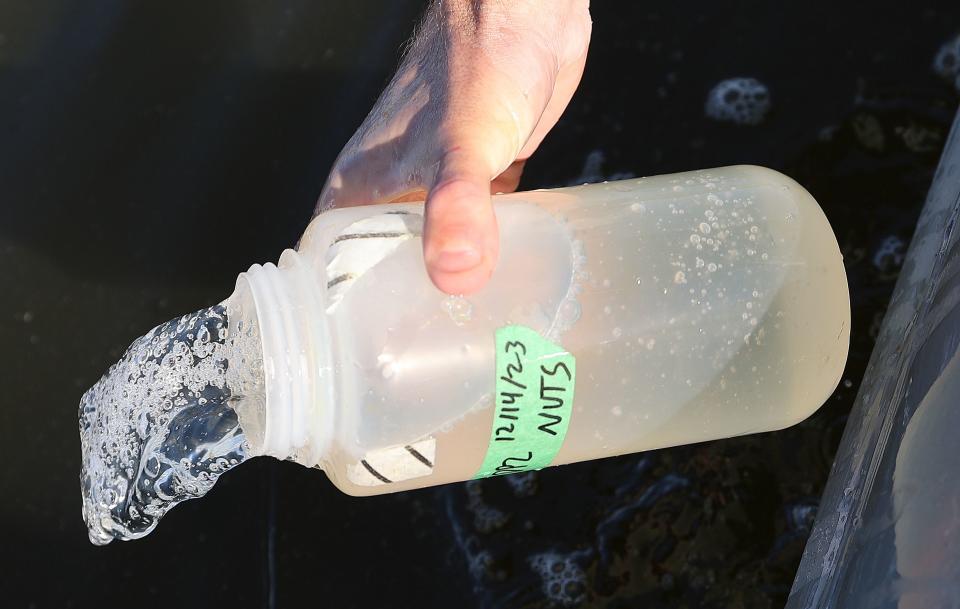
[479, 87]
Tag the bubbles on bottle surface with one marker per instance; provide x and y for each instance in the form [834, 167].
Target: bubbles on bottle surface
[159, 428]
[458, 308]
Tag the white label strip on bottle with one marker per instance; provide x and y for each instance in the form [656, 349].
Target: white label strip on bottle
[362, 245]
[394, 464]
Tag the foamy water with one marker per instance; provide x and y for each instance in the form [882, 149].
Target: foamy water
[744, 101]
[159, 428]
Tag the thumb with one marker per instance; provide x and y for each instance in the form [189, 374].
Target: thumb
[460, 240]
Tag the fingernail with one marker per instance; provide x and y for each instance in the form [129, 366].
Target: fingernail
[455, 256]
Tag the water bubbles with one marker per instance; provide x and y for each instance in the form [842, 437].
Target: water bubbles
[712, 267]
[564, 581]
[695, 238]
[617, 332]
[388, 367]
[889, 256]
[699, 263]
[743, 101]
[568, 313]
[947, 62]
[678, 188]
[704, 228]
[458, 308]
[651, 343]
[606, 283]
[637, 207]
[616, 411]
[680, 277]
[158, 428]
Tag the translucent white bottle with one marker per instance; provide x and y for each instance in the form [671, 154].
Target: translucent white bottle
[639, 314]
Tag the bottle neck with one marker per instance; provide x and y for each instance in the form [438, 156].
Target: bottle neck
[295, 420]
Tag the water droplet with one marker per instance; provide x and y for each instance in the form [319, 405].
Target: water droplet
[569, 313]
[458, 308]
[388, 369]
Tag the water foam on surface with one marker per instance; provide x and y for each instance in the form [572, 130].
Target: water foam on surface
[946, 63]
[744, 101]
[159, 428]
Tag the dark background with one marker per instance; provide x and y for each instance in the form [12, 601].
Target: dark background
[150, 151]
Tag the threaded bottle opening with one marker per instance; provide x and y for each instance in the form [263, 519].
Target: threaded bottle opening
[294, 422]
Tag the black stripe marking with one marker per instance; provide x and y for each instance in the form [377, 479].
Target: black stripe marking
[383, 235]
[399, 212]
[340, 279]
[374, 472]
[419, 457]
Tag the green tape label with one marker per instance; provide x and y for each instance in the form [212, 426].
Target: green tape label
[534, 400]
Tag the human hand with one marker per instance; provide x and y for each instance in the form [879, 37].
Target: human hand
[481, 84]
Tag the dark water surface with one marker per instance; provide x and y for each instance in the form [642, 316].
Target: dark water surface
[134, 137]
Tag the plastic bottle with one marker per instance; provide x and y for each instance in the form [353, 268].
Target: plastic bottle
[639, 314]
